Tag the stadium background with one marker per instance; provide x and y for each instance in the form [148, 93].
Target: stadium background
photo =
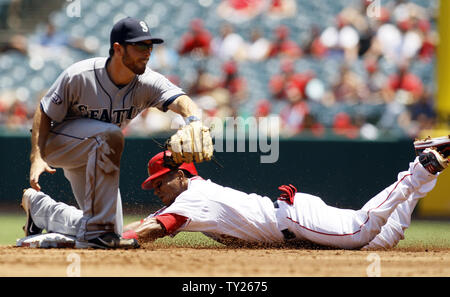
[347, 121]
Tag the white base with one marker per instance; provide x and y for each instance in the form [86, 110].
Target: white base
[47, 240]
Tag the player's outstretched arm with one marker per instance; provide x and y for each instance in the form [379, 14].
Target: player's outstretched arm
[147, 231]
[132, 226]
[40, 131]
[184, 106]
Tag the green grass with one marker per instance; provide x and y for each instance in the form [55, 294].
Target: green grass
[182, 239]
[11, 229]
[421, 234]
[427, 234]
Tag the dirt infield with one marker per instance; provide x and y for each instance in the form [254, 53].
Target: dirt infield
[219, 262]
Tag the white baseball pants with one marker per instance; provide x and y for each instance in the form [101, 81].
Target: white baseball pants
[380, 223]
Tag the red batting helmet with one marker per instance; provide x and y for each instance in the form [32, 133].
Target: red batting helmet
[162, 163]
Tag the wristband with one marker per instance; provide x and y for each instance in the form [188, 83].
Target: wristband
[190, 119]
[129, 234]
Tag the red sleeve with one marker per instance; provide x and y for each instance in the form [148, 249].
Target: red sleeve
[129, 234]
[171, 221]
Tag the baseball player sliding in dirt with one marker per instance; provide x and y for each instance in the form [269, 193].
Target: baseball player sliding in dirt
[230, 216]
[224, 214]
[77, 127]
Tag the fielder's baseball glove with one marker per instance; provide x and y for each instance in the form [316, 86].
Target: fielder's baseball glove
[191, 143]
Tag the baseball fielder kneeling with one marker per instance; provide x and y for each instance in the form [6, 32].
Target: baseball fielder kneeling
[222, 213]
[78, 127]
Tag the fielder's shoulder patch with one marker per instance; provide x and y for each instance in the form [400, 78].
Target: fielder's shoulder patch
[56, 99]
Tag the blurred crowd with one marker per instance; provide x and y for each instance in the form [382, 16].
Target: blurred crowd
[351, 104]
[16, 105]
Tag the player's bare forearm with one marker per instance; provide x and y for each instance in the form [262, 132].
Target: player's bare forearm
[184, 106]
[150, 230]
[132, 226]
[41, 129]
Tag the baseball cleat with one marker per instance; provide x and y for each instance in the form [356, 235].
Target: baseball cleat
[108, 241]
[433, 161]
[441, 144]
[30, 227]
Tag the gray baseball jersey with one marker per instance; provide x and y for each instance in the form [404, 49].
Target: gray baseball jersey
[84, 90]
[85, 105]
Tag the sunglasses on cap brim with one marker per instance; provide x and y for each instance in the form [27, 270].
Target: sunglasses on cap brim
[141, 46]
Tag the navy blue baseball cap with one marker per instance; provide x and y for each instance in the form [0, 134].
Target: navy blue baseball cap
[131, 30]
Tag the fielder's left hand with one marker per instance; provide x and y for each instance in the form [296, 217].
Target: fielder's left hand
[191, 143]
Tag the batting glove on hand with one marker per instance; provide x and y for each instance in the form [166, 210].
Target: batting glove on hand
[191, 143]
[288, 193]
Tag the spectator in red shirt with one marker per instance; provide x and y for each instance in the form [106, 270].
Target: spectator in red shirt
[263, 108]
[283, 45]
[197, 39]
[293, 115]
[204, 83]
[405, 80]
[279, 83]
[314, 45]
[343, 125]
[281, 8]
[234, 84]
[296, 117]
[349, 87]
[237, 11]
[17, 116]
[429, 42]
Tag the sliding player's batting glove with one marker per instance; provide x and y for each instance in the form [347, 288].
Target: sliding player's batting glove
[288, 193]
